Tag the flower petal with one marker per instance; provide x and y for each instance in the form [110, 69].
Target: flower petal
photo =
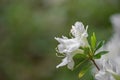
[71, 64]
[63, 63]
[100, 75]
[78, 29]
[67, 45]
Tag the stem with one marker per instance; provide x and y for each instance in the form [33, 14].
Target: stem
[95, 64]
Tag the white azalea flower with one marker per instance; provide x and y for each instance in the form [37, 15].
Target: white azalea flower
[70, 46]
[79, 32]
[103, 75]
[106, 69]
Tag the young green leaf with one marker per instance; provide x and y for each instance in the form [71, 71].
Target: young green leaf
[86, 50]
[88, 75]
[117, 77]
[99, 45]
[93, 41]
[86, 71]
[84, 68]
[79, 60]
[80, 56]
[98, 55]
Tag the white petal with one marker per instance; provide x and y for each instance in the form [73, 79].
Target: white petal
[85, 34]
[115, 20]
[78, 29]
[84, 42]
[100, 75]
[64, 37]
[67, 45]
[71, 64]
[63, 63]
[108, 67]
[60, 40]
[61, 48]
[73, 46]
[79, 32]
[103, 75]
[80, 26]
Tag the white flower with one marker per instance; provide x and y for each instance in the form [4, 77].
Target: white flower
[115, 20]
[68, 47]
[103, 75]
[107, 68]
[67, 60]
[79, 32]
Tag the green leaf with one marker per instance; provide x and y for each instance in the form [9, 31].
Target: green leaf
[80, 56]
[86, 50]
[85, 72]
[84, 69]
[99, 45]
[117, 77]
[79, 60]
[88, 75]
[98, 55]
[93, 41]
[82, 72]
[78, 64]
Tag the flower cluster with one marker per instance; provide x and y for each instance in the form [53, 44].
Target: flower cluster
[107, 69]
[69, 47]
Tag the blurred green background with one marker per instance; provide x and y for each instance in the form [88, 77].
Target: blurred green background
[28, 28]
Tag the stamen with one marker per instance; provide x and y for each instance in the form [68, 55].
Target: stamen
[57, 54]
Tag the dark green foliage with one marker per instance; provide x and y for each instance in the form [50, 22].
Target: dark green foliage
[99, 54]
[99, 45]
[85, 72]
